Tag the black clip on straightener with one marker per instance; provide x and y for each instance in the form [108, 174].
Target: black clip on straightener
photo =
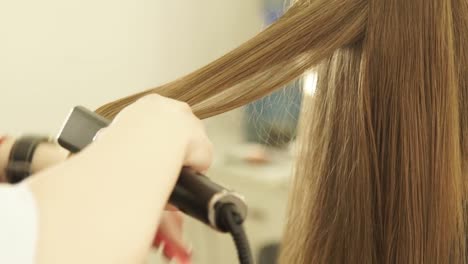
[194, 194]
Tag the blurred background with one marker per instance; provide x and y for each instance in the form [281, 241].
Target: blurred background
[56, 54]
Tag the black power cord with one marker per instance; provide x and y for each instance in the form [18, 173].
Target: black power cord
[230, 220]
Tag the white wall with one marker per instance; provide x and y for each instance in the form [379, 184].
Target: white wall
[55, 54]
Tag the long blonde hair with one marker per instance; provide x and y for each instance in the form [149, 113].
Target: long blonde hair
[380, 175]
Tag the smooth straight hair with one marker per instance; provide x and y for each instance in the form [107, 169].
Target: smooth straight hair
[380, 176]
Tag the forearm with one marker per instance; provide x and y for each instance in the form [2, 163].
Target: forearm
[92, 199]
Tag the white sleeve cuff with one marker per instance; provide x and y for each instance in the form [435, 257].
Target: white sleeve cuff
[18, 224]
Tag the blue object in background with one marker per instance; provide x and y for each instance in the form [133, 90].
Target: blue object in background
[272, 120]
[273, 9]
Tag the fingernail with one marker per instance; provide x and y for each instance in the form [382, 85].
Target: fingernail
[184, 260]
[172, 251]
[158, 239]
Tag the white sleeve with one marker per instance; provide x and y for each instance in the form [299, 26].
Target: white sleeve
[18, 224]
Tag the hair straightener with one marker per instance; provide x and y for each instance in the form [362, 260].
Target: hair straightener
[194, 194]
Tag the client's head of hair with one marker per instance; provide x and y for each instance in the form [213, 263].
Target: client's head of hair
[383, 152]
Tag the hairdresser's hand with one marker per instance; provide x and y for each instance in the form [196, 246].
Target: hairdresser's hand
[121, 183]
[173, 124]
[158, 123]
